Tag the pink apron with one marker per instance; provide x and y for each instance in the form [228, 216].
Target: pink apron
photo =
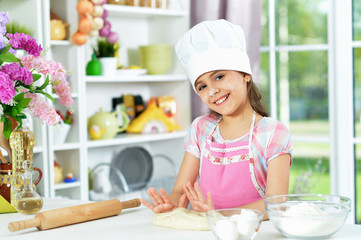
[227, 172]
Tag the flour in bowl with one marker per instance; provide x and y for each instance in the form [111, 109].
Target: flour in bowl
[308, 220]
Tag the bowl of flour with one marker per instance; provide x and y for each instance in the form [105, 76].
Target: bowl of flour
[308, 216]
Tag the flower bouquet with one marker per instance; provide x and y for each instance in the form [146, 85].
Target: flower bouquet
[24, 79]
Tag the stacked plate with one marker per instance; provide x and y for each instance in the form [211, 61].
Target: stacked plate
[156, 58]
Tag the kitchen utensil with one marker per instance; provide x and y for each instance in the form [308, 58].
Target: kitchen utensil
[308, 216]
[165, 177]
[235, 223]
[136, 164]
[57, 29]
[27, 201]
[108, 122]
[102, 187]
[75, 214]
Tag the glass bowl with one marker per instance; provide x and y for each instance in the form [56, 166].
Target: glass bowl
[234, 223]
[307, 216]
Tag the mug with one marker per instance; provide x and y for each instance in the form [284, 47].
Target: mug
[6, 179]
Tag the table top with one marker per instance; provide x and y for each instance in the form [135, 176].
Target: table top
[135, 223]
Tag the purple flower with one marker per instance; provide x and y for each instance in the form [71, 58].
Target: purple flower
[2, 30]
[17, 73]
[2, 42]
[7, 90]
[4, 19]
[25, 42]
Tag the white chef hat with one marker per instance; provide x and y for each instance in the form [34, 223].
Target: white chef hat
[213, 45]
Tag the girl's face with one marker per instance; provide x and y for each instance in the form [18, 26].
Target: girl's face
[224, 91]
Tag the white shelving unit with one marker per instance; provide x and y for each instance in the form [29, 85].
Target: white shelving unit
[18, 12]
[135, 26]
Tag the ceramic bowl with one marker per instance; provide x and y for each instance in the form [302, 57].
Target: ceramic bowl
[307, 216]
[234, 223]
[156, 58]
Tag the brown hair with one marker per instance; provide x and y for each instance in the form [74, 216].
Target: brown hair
[255, 99]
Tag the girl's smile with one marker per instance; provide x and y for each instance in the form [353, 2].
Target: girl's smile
[221, 100]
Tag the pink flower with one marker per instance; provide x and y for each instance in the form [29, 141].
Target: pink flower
[7, 90]
[41, 109]
[25, 42]
[57, 75]
[17, 73]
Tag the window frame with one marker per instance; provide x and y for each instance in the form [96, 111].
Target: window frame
[340, 86]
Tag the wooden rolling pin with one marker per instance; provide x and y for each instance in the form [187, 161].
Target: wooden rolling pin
[75, 214]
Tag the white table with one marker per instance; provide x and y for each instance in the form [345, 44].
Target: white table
[132, 224]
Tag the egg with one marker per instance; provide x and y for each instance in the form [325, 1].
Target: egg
[247, 223]
[226, 229]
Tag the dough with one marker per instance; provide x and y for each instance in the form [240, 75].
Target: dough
[182, 218]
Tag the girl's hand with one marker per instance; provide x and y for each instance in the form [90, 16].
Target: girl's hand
[197, 199]
[162, 202]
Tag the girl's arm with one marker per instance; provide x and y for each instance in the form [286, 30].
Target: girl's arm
[162, 202]
[188, 172]
[278, 174]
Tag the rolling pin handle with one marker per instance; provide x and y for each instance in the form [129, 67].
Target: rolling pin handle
[25, 224]
[131, 203]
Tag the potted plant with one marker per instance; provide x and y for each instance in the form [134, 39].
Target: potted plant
[105, 52]
[61, 131]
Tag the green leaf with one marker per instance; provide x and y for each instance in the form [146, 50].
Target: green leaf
[45, 84]
[7, 128]
[19, 97]
[36, 76]
[8, 57]
[45, 94]
[14, 112]
[5, 49]
[23, 104]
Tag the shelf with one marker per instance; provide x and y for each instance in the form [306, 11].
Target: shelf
[60, 43]
[139, 78]
[130, 11]
[136, 138]
[66, 185]
[67, 146]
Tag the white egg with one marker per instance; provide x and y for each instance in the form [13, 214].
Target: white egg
[247, 222]
[226, 229]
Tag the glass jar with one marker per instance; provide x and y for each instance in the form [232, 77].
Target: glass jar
[22, 142]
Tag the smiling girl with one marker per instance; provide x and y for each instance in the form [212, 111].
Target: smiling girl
[236, 155]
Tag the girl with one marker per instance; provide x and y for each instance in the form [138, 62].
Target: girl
[237, 153]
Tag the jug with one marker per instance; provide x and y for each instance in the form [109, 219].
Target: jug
[57, 29]
[27, 201]
[107, 121]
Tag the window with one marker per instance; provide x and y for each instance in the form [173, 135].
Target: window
[356, 24]
[299, 81]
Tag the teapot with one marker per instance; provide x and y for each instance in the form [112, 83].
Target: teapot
[108, 123]
[57, 29]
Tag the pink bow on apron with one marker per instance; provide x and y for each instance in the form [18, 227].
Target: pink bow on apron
[227, 171]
